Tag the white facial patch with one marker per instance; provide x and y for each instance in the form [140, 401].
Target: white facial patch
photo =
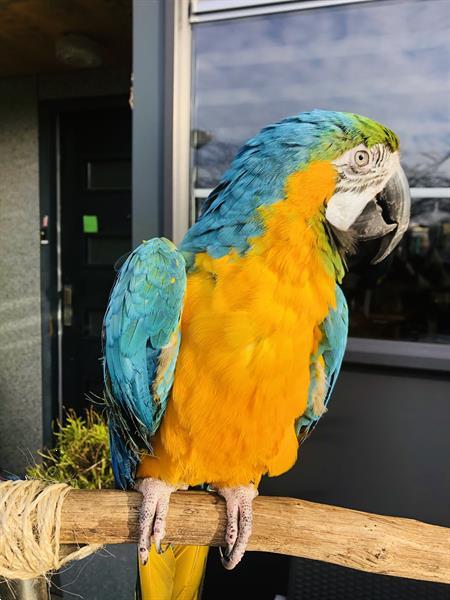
[344, 208]
[357, 186]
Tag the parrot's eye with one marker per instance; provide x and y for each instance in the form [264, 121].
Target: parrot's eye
[362, 158]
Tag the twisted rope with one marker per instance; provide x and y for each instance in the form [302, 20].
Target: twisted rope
[30, 521]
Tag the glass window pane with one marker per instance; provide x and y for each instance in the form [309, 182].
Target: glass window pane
[407, 296]
[389, 60]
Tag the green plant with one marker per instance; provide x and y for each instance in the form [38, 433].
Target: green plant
[80, 456]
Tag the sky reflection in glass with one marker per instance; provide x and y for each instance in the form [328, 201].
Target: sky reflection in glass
[389, 60]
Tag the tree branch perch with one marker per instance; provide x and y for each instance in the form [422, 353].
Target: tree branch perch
[372, 543]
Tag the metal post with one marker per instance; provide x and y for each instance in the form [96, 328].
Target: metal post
[148, 119]
[31, 589]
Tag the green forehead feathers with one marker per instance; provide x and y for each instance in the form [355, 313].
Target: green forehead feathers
[340, 132]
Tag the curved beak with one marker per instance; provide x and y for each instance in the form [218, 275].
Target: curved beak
[386, 216]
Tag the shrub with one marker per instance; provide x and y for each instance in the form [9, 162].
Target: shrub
[80, 456]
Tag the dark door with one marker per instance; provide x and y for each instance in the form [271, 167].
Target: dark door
[95, 151]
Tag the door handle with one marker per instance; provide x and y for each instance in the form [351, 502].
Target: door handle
[67, 305]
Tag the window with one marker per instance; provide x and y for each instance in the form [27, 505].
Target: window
[385, 59]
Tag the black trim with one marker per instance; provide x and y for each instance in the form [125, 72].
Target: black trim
[48, 257]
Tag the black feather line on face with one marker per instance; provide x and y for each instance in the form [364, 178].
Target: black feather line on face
[344, 242]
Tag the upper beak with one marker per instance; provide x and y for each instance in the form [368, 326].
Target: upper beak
[386, 216]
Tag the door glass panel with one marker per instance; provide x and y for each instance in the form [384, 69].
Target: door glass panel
[106, 251]
[389, 60]
[108, 175]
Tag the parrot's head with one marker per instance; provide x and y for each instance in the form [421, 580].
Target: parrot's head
[360, 191]
[371, 198]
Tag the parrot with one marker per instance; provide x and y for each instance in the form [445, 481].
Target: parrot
[221, 354]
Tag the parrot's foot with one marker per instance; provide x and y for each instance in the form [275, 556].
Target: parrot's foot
[239, 522]
[153, 513]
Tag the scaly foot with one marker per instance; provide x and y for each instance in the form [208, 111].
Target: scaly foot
[153, 513]
[239, 522]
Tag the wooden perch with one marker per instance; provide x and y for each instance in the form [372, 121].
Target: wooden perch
[373, 543]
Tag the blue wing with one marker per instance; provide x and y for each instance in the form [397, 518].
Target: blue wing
[325, 366]
[141, 332]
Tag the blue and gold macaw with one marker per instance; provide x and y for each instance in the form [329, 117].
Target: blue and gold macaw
[221, 355]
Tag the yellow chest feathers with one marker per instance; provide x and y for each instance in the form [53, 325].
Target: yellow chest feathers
[249, 326]
[249, 318]
[250, 323]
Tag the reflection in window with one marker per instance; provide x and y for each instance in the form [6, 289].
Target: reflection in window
[407, 296]
[388, 60]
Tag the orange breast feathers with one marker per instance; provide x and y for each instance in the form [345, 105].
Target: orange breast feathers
[250, 324]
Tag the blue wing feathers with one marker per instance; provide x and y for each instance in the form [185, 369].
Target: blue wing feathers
[141, 320]
[332, 350]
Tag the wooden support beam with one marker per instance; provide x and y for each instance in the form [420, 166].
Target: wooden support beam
[373, 543]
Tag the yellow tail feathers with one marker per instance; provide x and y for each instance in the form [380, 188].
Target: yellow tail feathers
[177, 574]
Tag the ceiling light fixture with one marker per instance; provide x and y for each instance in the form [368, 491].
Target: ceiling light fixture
[78, 51]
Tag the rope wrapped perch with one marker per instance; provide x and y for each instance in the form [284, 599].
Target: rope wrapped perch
[30, 522]
[35, 524]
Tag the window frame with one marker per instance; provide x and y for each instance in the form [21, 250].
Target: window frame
[203, 11]
[364, 351]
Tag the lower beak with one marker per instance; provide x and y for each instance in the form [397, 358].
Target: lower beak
[386, 216]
